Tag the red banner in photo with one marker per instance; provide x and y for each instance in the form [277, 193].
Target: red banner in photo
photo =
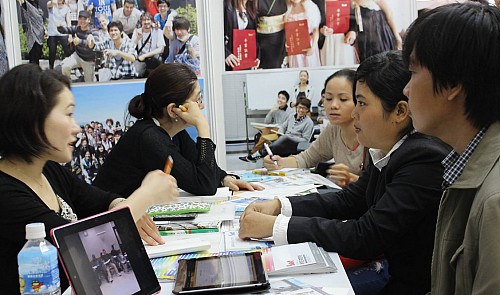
[337, 15]
[245, 48]
[297, 37]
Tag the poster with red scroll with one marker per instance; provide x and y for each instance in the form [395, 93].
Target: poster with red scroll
[245, 48]
[337, 15]
[297, 37]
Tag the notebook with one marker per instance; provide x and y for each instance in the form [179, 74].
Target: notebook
[178, 247]
[104, 254]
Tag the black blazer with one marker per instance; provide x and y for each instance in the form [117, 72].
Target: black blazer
[391, 212]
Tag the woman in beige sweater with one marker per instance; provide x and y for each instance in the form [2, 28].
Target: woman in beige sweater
[338, 140]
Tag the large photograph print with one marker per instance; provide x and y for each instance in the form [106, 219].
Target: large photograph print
[270, 34]
[102, 40]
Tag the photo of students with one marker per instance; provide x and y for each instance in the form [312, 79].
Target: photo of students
[454, 95]
[34, 187]
[51, 46]
[338, 140]
[391, 209]
[160, 132]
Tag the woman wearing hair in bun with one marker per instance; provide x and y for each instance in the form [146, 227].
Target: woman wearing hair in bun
[171, 102]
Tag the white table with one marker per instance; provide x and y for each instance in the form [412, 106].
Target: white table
[333, 283]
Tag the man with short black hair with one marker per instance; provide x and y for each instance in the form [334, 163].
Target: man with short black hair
[453, 53]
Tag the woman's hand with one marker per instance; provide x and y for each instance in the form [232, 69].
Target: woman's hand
[148, 230]
[232, 60]
[341, 175]
[192, 115]
[256, 225]
[308, 51]
[287, 162]
[350, 37]
[162, 187]
[236, 184]
[326, 30]
[399, 42]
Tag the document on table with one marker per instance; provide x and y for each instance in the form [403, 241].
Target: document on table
[232, 242]
[218, 212]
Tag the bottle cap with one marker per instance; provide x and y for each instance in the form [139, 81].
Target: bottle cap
[35, 231]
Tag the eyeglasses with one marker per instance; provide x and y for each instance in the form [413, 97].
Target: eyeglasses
[200, 99]
[302, 108]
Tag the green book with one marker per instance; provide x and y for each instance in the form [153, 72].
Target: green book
[179, 208]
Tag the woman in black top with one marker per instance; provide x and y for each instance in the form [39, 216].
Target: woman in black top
[160, 132]
[38, 131]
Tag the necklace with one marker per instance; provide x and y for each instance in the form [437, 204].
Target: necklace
[352, 147]
[40, 184]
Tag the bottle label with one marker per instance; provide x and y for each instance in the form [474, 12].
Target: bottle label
[38, 272]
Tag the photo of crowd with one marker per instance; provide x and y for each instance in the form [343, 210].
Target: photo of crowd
[95, 142]
[102, 40]
[338, 32]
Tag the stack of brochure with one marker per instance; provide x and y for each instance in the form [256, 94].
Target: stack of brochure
[303, 258]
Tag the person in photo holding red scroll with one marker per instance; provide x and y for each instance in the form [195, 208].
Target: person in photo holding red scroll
[340, 33]
[297, 11]
[240, 24]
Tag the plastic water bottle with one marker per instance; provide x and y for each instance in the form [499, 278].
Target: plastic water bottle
[38, 271]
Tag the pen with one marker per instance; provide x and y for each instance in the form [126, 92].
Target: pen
[168, 165]
[270, 154]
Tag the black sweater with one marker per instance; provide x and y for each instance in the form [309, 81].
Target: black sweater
[20, 206]
[145, 147]
[391, 212]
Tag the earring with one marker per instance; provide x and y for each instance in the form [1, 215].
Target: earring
[176, 120]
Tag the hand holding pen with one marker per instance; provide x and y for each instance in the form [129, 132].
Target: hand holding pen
[270, 153]
[168, 165]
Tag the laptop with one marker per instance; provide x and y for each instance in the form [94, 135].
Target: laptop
[104, 254]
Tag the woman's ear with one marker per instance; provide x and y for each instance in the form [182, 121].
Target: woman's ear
[169, 110]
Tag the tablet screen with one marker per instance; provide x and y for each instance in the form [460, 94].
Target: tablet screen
[209, 274]
[105, 255]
